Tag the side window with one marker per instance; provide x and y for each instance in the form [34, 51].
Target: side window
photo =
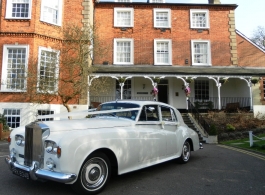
[149, 113]
[168, 114]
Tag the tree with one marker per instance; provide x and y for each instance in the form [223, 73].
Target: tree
[259, 37]
[62, 73]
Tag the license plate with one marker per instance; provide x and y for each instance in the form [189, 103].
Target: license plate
[20, 172]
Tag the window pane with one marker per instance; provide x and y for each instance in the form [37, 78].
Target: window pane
[50, 11]
[124, 18]
[162, 52]
[20, 8]
[12, 117]
[45, 112]
[48, 65]
[200, 53]
[162, 19]
[199, 19]
[126, 89]
[16, 65]
[123, 53]
[201, 89]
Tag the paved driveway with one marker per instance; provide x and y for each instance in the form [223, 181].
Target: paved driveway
[215, 170]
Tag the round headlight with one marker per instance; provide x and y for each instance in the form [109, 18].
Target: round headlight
[50, 146]
[19, 139]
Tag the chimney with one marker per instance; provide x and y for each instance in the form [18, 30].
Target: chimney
[214, 1]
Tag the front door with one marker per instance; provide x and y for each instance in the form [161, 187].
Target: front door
[163, 93]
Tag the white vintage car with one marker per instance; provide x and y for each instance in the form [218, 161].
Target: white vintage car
[121, 136]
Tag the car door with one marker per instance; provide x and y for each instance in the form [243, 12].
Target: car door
[152, 138]
[170, 126]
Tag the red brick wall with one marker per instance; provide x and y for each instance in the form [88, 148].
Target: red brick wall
[248, 54]
[41, 34]
[143, 33]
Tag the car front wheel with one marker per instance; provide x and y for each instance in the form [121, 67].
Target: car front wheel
[93, 175]
[185, 153]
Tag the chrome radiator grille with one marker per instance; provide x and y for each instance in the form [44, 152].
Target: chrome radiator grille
[33, 144]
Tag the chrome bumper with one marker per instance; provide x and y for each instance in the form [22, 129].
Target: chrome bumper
[36, 173]
[201, 147]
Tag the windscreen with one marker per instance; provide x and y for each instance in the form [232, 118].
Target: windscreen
[119, 106]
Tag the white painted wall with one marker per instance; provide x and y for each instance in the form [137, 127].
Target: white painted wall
[28, 111]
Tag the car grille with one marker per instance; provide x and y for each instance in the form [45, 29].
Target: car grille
[33, 143]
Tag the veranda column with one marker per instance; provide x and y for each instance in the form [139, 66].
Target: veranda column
[121, 85]
[90, 79]
[186, 85]
[218, 85]
[250, 91]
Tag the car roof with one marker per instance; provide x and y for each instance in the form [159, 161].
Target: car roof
[139, 102]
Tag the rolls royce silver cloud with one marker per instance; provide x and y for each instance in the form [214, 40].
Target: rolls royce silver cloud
[118, 136]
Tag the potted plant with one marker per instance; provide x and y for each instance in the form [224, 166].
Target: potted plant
[189, 80]
[122, 80]
[223, 81]
[212, 137]
[156, 80]
[254, 80]
[4, 128]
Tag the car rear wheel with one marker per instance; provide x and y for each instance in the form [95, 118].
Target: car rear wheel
[93, 175]
[185, 154]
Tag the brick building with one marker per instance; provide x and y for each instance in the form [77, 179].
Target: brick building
[143, 43]
[176, 44]
[29, 30]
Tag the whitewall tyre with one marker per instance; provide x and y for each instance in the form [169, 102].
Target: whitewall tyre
[185, 153]
[93, 175]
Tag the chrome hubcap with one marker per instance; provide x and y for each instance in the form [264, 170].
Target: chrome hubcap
[94, 174]
[186, 151]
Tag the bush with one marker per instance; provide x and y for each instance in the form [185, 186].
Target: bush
[3, 121]
[230, 127]
[213, 130]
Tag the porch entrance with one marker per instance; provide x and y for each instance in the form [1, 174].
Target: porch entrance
[163, 91]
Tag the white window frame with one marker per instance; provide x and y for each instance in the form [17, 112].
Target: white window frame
[209, 61]
[60, 12]
[9, 8]
[118, 9]
[131, 49]
[201, 88]
[155, 1]
[169, 41]
[11, 115]
[198, 11]
[45, 112]
[5, 66]
[157, 10]
[57, 68]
